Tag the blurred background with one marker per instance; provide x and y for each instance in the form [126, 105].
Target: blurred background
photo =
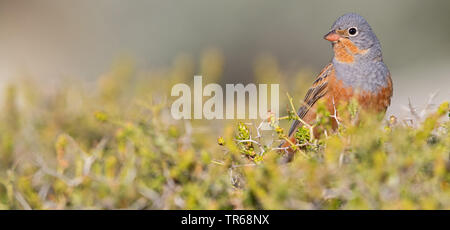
[53, 39]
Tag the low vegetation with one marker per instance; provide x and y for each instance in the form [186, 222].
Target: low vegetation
[112, 144]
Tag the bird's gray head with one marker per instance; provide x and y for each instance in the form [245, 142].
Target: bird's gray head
[353, 30]
[357, 54]
[356, 29]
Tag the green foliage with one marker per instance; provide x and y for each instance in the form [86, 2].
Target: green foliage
[303, 135]
[244, 142]
[116, 146]
[368, 165]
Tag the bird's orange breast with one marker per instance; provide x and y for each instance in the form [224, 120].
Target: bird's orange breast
[375, 102]
[338, 94]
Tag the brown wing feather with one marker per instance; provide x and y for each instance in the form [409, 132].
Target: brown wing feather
[317, 91]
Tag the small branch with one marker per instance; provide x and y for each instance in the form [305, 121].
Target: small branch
[252, 141]
[335, 114]
[429, 103]
[257, 130]
[412, 110]
[310, 127]
[22, 201]
[295, 111]
[217, 162]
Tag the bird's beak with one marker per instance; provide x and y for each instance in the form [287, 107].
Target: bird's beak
[332, 36]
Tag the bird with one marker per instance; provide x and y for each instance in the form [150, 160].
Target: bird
[356, 71]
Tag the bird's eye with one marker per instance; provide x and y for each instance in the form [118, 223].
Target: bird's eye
[352, 31]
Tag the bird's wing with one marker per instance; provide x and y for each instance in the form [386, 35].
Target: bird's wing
[317, 91]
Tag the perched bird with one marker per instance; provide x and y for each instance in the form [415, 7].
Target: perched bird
[356, 71]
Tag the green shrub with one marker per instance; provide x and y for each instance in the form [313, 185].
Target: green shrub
[116, 146]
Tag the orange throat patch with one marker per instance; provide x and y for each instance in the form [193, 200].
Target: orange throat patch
[344, 50]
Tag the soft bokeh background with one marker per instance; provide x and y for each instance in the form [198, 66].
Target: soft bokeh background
[51, 39]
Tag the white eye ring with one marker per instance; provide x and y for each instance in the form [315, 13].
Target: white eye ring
[356, 31]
